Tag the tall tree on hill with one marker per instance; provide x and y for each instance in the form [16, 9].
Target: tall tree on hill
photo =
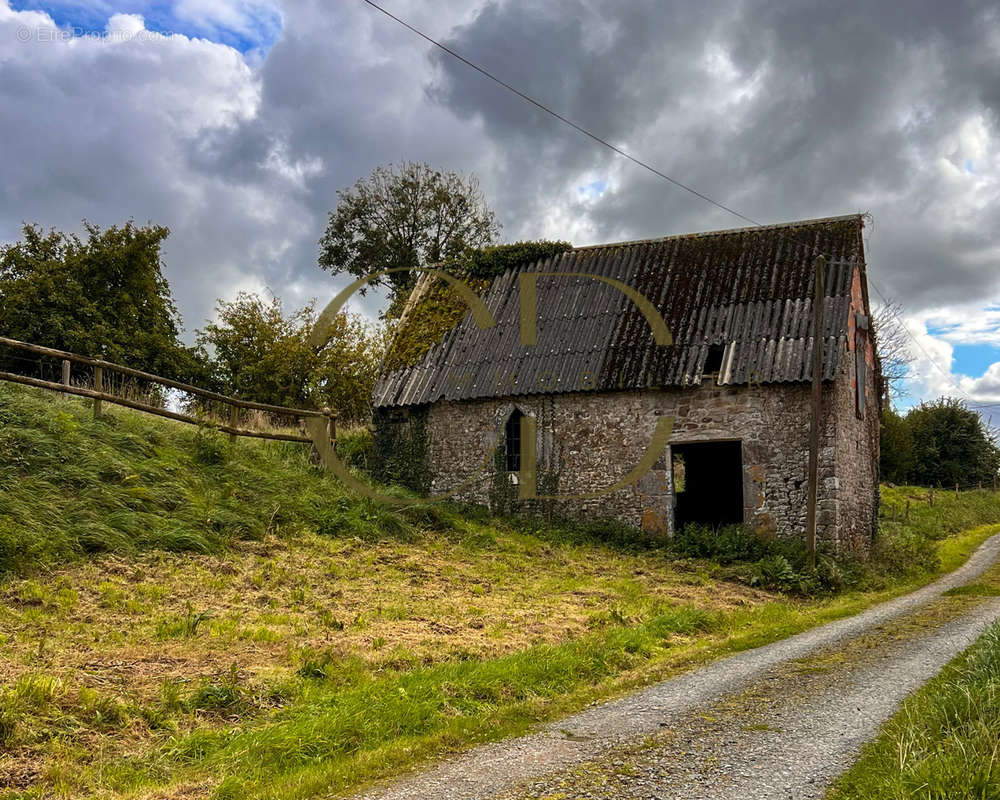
[103, 295]
[406, 216]
[896, 456]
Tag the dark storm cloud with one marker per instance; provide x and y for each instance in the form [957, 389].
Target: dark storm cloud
[782, 110]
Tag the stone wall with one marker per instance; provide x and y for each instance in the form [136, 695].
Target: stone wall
[855, 501]
[589, 441]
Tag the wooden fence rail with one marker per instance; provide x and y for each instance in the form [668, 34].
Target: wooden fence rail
[99, 396]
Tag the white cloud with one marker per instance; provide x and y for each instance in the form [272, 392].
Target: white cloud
[935, 334]
[108, 128]
[986, 388]
[867, 107]
[254, 20]
[127, 24]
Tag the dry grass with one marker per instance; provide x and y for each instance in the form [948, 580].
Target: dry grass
[126, 627]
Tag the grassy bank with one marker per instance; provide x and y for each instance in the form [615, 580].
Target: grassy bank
[179, 619]
[944, 741]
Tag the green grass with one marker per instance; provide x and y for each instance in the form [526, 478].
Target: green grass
[71, 486]
[943, 743]
[973, 590]
[330, 739]
[181, 618]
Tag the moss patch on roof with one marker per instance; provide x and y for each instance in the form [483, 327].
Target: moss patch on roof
[489, 262]
[439, 308]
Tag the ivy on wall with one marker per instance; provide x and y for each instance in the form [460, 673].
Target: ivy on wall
[439, 309]
[400, 448]
[503, 492]
[489, 262]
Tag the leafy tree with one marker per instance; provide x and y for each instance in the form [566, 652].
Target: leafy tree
[101, 296]
[896, 455]
[405, 216]
[262, 354]
[950, 445]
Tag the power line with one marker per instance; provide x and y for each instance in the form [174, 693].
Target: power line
[915, 340]
[604, 142]
[560, 117]
[947, 375]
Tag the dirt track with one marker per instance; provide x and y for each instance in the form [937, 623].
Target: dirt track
[776, 722]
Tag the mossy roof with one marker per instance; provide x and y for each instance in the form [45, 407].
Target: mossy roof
[748, 291]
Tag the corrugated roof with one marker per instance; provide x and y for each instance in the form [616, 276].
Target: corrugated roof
[748, 290]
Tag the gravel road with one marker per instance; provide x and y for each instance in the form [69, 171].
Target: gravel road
[778, 721]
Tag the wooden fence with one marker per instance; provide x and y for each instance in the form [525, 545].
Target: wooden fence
[101, 370]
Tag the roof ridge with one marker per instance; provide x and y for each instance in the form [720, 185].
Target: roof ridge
[724, 232]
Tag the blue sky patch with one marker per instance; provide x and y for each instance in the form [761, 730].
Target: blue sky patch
[592, 190]
[974, 359]
[254, 27]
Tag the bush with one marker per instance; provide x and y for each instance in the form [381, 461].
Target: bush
[778, 564]
[728, 544]
[774, 572]
[903, 552]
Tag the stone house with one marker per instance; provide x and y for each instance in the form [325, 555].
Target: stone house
[736, 381]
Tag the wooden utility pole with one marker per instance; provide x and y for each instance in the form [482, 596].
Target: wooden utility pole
[819, 279]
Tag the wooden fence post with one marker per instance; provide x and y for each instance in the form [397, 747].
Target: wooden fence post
[98, 387]
[931, 498]
[331, 426]
[956, 488]
[234, 422]
[65, 375]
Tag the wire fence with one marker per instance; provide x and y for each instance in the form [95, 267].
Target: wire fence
[900, 511]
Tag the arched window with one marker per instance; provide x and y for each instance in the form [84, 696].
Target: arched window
[512, 440]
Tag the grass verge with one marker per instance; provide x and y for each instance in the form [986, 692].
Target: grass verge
[943, 743]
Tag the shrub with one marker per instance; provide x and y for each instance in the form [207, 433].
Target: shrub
[727, 544]
[778, 564]
[774, 572]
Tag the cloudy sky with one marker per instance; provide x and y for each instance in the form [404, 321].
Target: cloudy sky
[234, 122]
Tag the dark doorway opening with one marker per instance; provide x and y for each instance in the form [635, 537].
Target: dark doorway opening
[708, 483]
[512, 439]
